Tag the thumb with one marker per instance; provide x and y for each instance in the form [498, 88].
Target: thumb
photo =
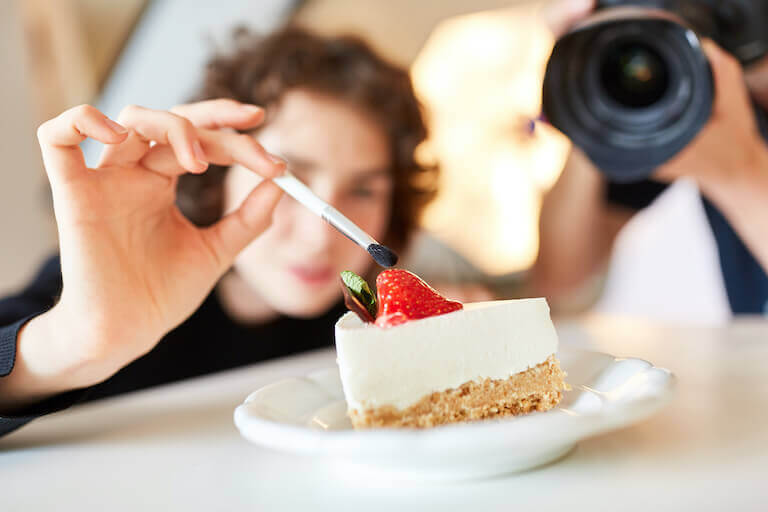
[239, 228]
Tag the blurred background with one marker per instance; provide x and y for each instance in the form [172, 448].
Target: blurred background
[477, 67]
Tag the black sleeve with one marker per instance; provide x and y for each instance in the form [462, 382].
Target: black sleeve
[38, 297]
[15, 311]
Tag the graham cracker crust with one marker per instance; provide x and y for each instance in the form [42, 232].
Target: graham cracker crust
[536, 389]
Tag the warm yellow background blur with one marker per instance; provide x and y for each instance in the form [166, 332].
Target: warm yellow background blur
[479, 74]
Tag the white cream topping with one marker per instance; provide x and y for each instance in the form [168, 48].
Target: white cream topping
[399, 365]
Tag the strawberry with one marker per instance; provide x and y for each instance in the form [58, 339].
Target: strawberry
[403, 296]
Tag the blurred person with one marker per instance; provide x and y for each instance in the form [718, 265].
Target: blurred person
[728, 161]
[178, 258]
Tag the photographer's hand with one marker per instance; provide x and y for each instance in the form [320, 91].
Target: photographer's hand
[133, 266]
[561, 15]
[729, 159]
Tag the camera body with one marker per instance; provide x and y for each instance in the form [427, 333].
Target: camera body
[631, 85]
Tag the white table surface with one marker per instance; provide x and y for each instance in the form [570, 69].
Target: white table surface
[176, 447]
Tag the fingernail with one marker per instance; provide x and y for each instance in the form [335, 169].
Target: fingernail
[276, 159]
[253, 109]
[115, 127]
[197, 149]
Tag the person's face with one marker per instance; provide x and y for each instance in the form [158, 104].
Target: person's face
[343, 156]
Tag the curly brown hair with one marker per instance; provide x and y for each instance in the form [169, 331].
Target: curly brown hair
[261, 70]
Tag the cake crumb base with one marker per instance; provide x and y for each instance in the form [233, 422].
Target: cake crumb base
[537, 389]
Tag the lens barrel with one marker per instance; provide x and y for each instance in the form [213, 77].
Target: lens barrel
[631, 93]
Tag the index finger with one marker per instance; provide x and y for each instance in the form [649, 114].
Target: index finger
[221, 113]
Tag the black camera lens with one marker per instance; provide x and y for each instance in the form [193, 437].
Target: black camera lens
[634, 75]
[631, 93]
[631, 85]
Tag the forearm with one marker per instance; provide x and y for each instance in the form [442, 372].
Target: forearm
[577, 229]
[567, 220]
[743, 199]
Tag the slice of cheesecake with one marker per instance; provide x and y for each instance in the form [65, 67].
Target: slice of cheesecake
[485, 360]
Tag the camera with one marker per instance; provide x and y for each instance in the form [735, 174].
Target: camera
[631, 85]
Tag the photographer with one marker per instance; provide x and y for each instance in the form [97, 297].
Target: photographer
[728, 160]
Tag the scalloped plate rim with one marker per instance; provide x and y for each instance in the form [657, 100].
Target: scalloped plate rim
[553, 428]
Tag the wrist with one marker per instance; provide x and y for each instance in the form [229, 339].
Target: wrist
[50, 359]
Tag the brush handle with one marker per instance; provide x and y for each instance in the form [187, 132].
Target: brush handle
[301, 193]
[347, 228]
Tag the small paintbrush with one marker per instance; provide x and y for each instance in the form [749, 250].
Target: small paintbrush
[300, 192]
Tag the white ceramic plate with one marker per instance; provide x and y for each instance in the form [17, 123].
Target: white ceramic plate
[308, 416]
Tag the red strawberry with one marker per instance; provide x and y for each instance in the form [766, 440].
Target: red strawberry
[403, 296]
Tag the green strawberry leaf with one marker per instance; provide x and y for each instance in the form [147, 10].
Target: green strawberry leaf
[356, 287]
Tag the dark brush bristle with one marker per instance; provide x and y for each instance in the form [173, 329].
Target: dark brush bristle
[383, 255]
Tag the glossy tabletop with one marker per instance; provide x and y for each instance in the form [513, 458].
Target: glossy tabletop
[176, 447]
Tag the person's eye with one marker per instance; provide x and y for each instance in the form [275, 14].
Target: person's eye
[363, 192]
